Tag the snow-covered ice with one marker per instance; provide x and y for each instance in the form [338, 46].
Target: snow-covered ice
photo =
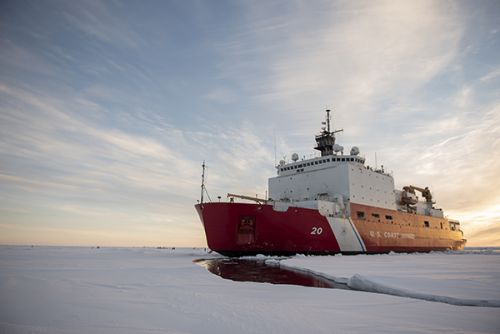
[144, 290]
[461, 275]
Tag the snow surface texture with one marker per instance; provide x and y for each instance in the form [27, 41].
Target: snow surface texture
[420, 274]
[143, 290]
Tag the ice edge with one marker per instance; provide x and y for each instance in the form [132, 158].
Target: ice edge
[360, 283]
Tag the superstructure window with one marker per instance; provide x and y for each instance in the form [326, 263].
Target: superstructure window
[360, 214]
[426, 223]
[375, 215]
[352, 159]
[388, 217]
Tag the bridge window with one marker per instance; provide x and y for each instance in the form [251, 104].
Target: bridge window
[360, 214]
[352, 159]
[388, 217]
[375, 215]
[426, 223]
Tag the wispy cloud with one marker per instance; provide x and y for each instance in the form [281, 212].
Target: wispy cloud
[99, 20]
[105, 116]
[99, 172]
[491, 76]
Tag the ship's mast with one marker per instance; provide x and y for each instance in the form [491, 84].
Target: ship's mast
[202, 182]
[326, 140]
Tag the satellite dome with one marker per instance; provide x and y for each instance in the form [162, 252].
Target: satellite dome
[354, 150]
[282, 162]
[295, 157]
[337, 148]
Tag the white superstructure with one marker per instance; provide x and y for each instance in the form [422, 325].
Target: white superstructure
[333, 176]
[343, 179]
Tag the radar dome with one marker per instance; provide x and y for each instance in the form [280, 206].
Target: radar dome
[295, 157]
[282, 162]
[337, 148]
[354, 150]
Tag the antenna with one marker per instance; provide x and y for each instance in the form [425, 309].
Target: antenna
[202, 182]
[376, 166]
[274, 135]
[328, 120]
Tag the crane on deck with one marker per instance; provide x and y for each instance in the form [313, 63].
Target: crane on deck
[255, 199]
[426, 193]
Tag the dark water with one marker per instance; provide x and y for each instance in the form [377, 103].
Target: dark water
[258, 271]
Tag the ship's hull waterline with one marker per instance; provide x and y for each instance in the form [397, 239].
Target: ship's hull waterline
[236, 229]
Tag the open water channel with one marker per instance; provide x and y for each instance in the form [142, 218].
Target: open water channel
[258, 271]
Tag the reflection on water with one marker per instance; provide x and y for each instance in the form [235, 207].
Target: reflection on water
[259, 271]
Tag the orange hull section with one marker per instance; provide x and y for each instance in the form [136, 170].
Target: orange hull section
[383, 229]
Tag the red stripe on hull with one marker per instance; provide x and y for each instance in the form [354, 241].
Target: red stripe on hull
[275, 232]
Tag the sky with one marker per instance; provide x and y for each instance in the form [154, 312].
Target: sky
[108, 109]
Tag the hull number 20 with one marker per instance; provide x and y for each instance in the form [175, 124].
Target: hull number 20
[316, 230]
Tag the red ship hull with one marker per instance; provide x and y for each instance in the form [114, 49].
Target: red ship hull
[236, 229]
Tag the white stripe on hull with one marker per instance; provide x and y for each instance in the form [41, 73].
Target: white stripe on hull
[346, 234]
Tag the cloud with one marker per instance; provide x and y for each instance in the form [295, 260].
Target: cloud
[352, 56]
[220, 95]
[100, 21]
[491, 76]
[89, 131]
[75, 167]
